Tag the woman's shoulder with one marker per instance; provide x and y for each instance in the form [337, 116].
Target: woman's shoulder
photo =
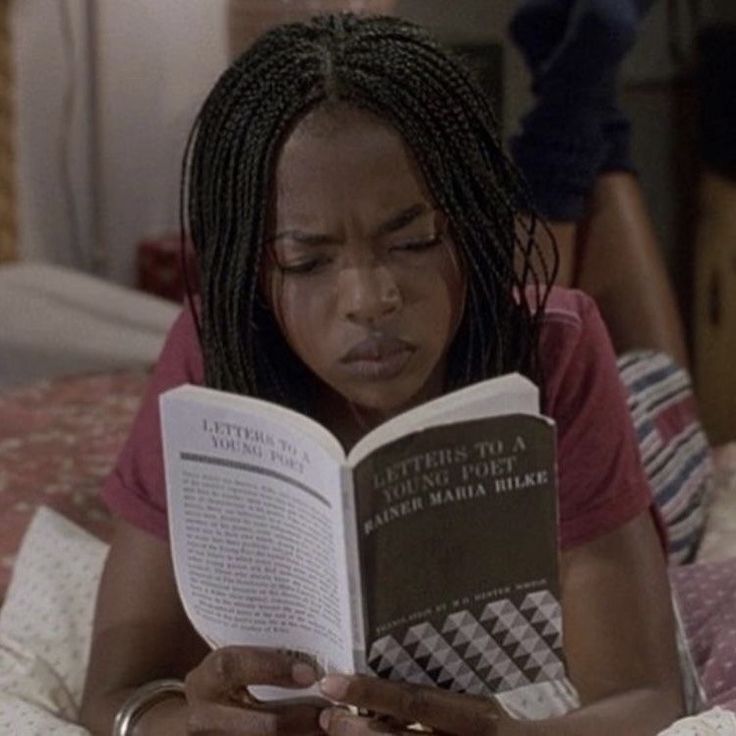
[571, 322]
[568, 308]
[181, 358]
[575, 351]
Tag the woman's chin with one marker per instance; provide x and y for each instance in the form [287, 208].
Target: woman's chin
[383, 402]
[372, 402]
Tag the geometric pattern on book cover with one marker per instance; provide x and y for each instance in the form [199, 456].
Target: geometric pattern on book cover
[507, 647]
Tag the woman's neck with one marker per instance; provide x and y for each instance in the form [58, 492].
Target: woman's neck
[348, 422]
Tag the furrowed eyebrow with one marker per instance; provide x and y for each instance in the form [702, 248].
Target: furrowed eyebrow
[396, 222]
[402, 219]
[303, 238]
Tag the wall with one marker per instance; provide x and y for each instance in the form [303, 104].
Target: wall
[155, 63]
[719, 10]
[52, 101]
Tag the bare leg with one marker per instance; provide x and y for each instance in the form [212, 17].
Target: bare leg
[621, 267]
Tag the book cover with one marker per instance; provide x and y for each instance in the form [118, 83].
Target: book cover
[457, 538]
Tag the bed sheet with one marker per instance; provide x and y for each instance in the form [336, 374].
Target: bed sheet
[707, 596]
[55, 322]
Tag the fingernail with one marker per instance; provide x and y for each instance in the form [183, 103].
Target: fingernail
[334, 686]
[324, 719]
[303, 674]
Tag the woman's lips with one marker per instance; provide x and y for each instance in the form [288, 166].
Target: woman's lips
[378, 358]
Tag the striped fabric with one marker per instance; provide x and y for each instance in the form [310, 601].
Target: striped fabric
[674, 448]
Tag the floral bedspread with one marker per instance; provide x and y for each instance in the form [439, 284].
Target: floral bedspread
[58, 441]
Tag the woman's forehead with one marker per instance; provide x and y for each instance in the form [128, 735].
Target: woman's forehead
[328, 118]
[343, 154]
[339, 124]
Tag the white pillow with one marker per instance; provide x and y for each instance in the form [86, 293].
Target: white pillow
[46, 626]
[716, 722]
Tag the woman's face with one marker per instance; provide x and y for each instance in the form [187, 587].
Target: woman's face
[365, 281]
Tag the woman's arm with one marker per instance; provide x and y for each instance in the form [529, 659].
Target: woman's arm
[619, 642]
[141, 632]
[619, 634]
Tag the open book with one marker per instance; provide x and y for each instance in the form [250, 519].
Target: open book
[427, 554]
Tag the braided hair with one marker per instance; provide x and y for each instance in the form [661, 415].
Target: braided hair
[392, 68]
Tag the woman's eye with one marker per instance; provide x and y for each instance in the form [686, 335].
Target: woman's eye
[304, 267]
[417, 245]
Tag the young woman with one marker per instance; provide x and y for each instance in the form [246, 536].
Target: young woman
[356, 224]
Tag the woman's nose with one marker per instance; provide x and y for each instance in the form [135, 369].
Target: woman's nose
[368, 294]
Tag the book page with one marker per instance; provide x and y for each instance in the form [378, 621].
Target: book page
[255, 516]
[509, 394]
[457, 538]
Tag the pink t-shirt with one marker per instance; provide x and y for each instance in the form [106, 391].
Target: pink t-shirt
[601, 480]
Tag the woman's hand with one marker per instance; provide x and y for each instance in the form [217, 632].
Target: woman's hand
[219, 701]
[396, 705]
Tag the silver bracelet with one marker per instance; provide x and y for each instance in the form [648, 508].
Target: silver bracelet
[143, 699]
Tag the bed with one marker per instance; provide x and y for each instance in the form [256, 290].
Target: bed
[74, 356]
[59, 435]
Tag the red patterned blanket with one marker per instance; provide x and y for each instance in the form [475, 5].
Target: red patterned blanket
[58, 441]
